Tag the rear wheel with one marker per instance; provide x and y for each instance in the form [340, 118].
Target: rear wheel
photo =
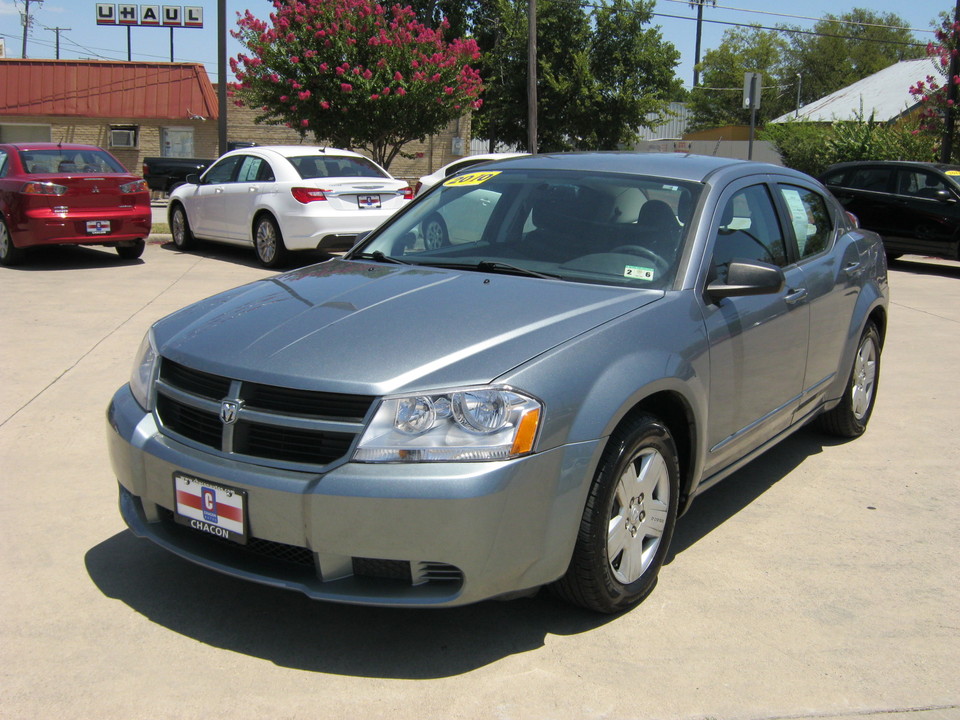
[268, 242]
[180, 228]
[10, 254]
[628, 520]
[850, 417]
[131, 251]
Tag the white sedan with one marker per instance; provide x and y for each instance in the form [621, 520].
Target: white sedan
[283, 198]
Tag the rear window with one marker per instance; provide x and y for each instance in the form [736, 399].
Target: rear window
[58, 160]
[312, 166]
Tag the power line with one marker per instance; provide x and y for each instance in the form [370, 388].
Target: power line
[805, 17]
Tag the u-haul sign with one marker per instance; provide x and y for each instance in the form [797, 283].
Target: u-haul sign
[150, 15]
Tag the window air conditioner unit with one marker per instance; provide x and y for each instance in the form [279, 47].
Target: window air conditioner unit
[123, 137]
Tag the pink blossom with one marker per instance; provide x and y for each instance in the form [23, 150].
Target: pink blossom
[346, 87]
[367, 74]
[325, 105]
[304, 122]
[294, 59]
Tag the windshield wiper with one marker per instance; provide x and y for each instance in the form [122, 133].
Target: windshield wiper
[496, 266]
[378, 256]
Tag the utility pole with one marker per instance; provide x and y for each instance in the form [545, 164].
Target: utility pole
[58, 30]
[27, 22]
[946, 147]
[532, 76]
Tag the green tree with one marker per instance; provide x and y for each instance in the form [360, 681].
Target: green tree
[354, 73]
[600, 70]
[718, 100]
[840, 53]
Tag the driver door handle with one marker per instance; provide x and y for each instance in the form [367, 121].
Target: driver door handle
[795, 295]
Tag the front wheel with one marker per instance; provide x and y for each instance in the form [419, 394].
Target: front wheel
[268, 242]
[180, 228]
[628, 520]
[850, 417]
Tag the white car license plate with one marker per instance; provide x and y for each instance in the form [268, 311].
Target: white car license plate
[98, 227]
[210, 507]
[368, 202]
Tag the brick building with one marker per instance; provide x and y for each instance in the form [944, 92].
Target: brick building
[138, 110]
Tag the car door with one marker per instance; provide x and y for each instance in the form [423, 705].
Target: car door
[828, 256]
[868, 192]
[757, 344]
[207, 209]
[928, 213]
[253, 179]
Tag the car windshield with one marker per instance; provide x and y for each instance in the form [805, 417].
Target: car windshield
[62, 160]
[324, 166]
[587, 227]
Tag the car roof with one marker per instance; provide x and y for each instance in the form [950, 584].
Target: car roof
[895, 163]
[298, 150]
[49, 146]
[677, 166]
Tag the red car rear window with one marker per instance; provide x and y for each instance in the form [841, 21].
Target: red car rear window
[37, 162]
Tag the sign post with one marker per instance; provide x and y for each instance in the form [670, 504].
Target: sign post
[131, 15]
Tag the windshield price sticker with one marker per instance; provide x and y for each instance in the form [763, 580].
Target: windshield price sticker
[210, 507]
[638, 273]
[476, 178]
[953, 172]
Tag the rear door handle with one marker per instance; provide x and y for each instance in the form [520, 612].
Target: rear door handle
[852, 268]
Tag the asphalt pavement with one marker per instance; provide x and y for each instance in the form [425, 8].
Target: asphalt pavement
[821, 581]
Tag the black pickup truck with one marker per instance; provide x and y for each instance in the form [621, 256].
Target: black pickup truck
[166, 173]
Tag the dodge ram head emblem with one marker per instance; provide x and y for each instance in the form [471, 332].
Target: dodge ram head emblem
[229, 409]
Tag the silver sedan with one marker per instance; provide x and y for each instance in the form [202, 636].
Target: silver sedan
[530, 399]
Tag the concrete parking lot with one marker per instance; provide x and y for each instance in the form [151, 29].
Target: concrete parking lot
[822, 581]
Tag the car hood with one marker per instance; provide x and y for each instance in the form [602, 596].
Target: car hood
[369, 328]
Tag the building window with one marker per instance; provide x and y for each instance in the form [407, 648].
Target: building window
[123, 136]
[176, 142]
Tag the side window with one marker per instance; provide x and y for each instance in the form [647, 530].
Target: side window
[222, 172]
[249, 169]
[810, 218]
[4, 164]
[748, 229]
[919, 183]
[875, 179]
[834, 178]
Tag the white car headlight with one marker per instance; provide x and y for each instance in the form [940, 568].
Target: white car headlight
[468, 424]
[144, 371]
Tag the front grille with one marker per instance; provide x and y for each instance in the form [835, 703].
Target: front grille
[279, 425]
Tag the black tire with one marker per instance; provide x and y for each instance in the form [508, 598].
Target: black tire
[10, 254]
[131, 252]
[850, 417]
[435, 233]
[637, 481]
[268, 242]
[180, 228]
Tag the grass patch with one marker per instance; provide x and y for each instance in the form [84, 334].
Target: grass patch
[159, 229]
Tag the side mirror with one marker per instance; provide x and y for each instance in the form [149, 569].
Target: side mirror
[747, 277]
[945, 196]
[193, 179]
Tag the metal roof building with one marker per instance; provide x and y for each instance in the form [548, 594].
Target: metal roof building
[884, 95]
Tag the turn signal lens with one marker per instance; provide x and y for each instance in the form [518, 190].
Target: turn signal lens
[308, 195]
[44, 188]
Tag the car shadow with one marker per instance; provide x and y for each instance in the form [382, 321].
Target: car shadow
[920, 265]
[290, 630]
[71, 257]
[245, 255]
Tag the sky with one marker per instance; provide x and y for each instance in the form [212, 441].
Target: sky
[81, 37]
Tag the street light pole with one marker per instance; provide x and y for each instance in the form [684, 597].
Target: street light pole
[27, 22]
[799, 85]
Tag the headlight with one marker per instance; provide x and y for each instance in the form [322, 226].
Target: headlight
[144, 371]
[467, 424]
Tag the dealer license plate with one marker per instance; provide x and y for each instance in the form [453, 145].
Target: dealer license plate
[368, 202]
[210, 507]
[98, 227]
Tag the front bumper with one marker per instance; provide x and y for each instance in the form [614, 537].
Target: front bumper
[438, 534]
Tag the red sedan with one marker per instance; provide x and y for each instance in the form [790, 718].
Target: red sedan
[60, 194]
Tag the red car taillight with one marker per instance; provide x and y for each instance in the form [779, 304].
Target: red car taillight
[408, 193]
[43, 188]
[308, 195]
[135, 186]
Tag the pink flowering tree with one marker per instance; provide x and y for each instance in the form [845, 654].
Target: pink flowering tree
[353, 73]
[932, 92]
